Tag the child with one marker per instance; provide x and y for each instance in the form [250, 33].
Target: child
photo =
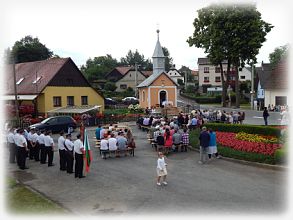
[161, 169]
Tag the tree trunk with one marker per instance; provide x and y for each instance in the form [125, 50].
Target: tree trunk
[224, 87]
[237, 89]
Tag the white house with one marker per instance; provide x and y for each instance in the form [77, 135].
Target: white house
[245, 74]
[174, 74]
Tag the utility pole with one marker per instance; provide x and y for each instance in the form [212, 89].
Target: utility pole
[135, 81]
[15, 91]
[252, 86]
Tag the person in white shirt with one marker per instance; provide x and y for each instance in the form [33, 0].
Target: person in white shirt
[69, 153]
[102, 132]
[104, 147]
[78, 155]
[41, 142]
[34, 145]
[49, 145]
[22, 149]
[62, 152]
[161, 169]
[113, 144]
[11, 146]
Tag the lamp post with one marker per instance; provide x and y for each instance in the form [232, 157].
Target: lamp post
[15, 91]
[252, 86]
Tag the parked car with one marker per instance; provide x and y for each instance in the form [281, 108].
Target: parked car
[130, 100]
[109, 101]
[56, 124]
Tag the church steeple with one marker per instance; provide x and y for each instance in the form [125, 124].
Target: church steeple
[158, 57]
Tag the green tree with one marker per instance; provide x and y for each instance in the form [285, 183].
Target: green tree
[168, 60]
[98, 67]
[278, 54]
[30, 49]
[110, 86]
[133, 58]
[231, 32]
[190, 77]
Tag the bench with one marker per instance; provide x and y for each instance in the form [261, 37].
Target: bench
[128, 150]
[144, 127]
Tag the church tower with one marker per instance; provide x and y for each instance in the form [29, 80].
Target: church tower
[158, 58]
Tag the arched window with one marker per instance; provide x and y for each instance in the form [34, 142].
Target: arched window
[143, 96]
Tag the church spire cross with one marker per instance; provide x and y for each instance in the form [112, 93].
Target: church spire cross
[158, 32]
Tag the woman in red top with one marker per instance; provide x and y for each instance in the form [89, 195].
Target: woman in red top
[168, 141]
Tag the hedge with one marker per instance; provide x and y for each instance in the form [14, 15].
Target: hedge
[250, 129]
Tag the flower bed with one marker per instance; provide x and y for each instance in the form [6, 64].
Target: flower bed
[256, 138]
[229, 139]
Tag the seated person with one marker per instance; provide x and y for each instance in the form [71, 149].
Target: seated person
[176, 140]
[113, 144]
[98, 132]
[104, 148]
[160, 141]
[122, 143]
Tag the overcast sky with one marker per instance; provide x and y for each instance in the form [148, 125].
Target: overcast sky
[88, 28]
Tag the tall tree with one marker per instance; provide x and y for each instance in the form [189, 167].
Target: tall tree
[30, 49]
[98, 67]
[278, 54]
[169, 59]
[231, 32]
[135, 57]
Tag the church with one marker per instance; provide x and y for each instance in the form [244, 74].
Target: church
[158, 90]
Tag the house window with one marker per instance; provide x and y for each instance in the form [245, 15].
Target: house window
[123, 86]
[70, 100]
[38, 78]
[143, 96]
[242, 77]
[19, 81]
[206, 70]
[206, 79]
[217, 79]
[84, 100]
[218, 70]
[57, 101]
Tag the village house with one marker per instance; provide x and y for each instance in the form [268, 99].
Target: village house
[175, 75]
[209, 75]
[124, 77]
[276, 85]
[51, 84]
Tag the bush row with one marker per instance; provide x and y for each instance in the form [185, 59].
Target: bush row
[250, 129]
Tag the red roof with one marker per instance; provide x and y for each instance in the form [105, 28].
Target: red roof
[30, 71]
[147, 73]
[123, 69]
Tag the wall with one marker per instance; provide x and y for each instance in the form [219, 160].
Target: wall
[271, 94]
[129, 80]
[46, 100]
[212, 74]
[143, 103]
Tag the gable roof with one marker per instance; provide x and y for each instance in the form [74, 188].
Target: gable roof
[263, 73]
[123, 69]
[52, 72]
[147, 73]
[46, 69]
[279, 76]
[148, 81]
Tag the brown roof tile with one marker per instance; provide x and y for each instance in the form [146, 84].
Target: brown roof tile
[123, 69]
[46, 69]
[279, 76]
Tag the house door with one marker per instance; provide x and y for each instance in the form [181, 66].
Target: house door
[163, 96]
[281, 100]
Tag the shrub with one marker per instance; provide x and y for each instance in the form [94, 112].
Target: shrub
[281, 156]
[250, 129]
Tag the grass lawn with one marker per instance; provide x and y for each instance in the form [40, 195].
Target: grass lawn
[21, 200]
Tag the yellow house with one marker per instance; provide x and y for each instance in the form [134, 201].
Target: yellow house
[52, 84]
[157, 90]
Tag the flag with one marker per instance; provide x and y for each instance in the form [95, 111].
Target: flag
[87, 149]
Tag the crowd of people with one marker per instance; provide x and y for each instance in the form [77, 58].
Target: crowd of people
[39, 146]
[114, 140]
